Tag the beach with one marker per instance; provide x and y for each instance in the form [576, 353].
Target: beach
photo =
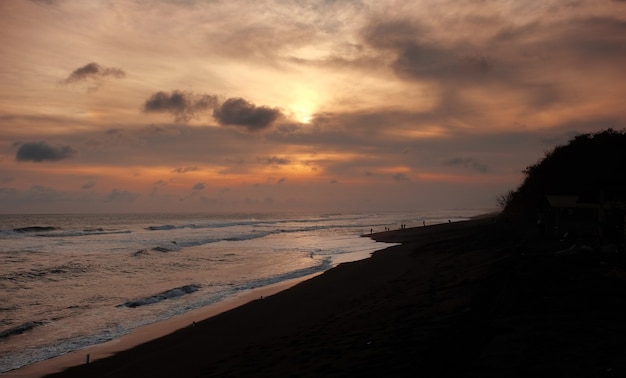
[476, 298]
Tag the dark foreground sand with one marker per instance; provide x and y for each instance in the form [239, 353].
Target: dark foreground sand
[469, 299]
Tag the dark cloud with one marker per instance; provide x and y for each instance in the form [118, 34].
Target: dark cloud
[239, 112]
[421, 59]
[277, 161]
[44, 193]
[88, 185]
[281, 180]
[185, 169]
[42, 151]
[182, 105]
[118, 195]
[592, 40]
[47, 2]
[450, 65]
[392, 34]
[199, 186]
[114, 132]
[8, 193]
[467, 163]
[94, 71]
[526, 62]
[401, 177]
[234, 111]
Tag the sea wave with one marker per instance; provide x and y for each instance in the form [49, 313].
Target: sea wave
[18, 330]
[257, 223]
[34, 229]
[168, 294]
[324, 264]
[166, 248]
[57, 272]
[88, 232]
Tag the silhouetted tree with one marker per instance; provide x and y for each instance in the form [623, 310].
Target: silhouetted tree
[591, 165]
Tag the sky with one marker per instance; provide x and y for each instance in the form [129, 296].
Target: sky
[291, 106]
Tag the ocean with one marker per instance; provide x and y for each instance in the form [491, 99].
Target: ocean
[68, 281]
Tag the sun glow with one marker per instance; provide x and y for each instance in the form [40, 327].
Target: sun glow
[304, 109]
[305, 117]
[302, 113]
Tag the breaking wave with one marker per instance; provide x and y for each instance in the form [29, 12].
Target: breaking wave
[18, 330]
[169, 294]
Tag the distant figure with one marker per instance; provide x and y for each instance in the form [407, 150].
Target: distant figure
[371, 230]
[424, 223]
[449, 221]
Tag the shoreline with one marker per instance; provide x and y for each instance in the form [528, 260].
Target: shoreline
[317, 319]
[165, 327]
[479, 298]
[149, 332]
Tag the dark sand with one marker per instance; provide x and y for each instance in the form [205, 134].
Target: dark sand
[468, 299]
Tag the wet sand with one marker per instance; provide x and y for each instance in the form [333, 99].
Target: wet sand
[482, 298]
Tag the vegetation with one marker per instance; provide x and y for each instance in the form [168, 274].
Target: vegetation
[592, 166]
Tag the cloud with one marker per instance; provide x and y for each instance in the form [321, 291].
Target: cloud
[416, 58]
[7, 193]
[88, 185]
[36, 193]
[44, 193]
[281, 180]
[277, 161]
[118, 195]
[467, 163]
[239, 112]
[182, 105]
[505, 69]
[94, 71]
[41, 151]
[199, 186]
[234, 111]
[185, 169]
[401, 177]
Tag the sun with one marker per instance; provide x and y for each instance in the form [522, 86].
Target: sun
[305, 117]
[302, 113]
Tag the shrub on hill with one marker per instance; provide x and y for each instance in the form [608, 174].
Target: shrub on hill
[591, 166]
